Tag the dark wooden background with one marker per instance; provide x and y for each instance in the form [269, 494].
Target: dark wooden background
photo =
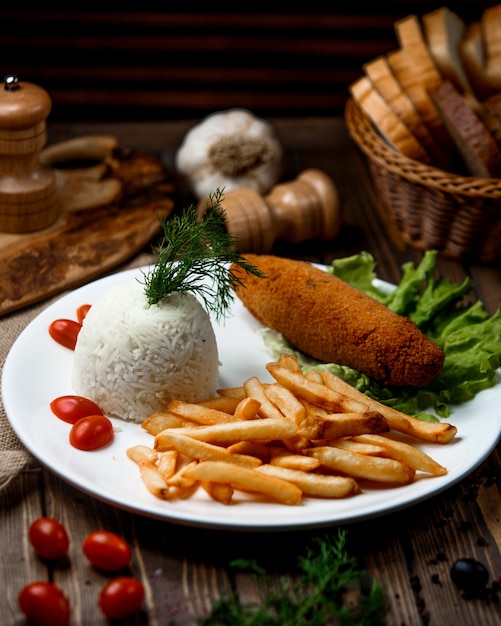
[136, 64]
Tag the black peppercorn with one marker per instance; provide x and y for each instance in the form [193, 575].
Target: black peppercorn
[469, 575]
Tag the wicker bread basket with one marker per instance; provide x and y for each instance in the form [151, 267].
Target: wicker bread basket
[430, 208]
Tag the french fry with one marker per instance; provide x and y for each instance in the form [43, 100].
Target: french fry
[247, 409]
[237, 393]
[182, 482]
[153, 480]
[246, 479]
[167, 463]
[380, 469]
[314, 392]
[286, 402]
[296, 444]
[314, 376]
[199, 413]
[220, 492]
[312, 484]
[438, 432]
[251, 448]
[151, 477]
[254, 388]
[295, 461]
[231, 432]
[203, 451]
[142, 454]
[154, 424]
[338, 425]
[406, 453]
[290, 362]
[311, 428]
[314, 411]
[357, 446]
[226, 404]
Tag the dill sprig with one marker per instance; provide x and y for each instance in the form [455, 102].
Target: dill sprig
[194, 256]
[330, 589]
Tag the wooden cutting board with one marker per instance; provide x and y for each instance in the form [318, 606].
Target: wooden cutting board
[110, 200]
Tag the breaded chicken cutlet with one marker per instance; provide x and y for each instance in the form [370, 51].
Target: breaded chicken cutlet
[333, 322]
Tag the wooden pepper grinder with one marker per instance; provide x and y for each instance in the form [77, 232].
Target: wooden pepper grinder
[307, 207]
[28, 199]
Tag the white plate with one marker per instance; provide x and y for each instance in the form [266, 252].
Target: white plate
[37, 370]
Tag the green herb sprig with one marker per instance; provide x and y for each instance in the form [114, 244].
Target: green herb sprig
[194, 256]
[330, 589]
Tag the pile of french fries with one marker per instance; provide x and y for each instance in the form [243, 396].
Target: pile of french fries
[303, 435]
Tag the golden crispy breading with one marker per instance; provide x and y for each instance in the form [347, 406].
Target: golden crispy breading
[334, 322]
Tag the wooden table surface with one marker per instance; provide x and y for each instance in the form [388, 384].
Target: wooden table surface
[184, 569]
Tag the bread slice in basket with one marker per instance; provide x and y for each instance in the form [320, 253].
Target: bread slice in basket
[416, 68]
[391, 127]
[491, 33]
[385, 82]
[479, 149]
[413, 44]
[410, 78]
[473, 56]
[493, 105]
[444, 31]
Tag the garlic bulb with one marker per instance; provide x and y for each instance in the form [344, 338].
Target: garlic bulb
[230, 149]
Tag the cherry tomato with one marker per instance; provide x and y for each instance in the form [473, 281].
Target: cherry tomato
[72, 408]
[65, 332]
[82, 311]
[106, 550]
[48, 538]
[91, 432]
[44, 604]
[121, 597]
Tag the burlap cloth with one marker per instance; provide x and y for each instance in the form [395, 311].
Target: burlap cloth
[14, 457]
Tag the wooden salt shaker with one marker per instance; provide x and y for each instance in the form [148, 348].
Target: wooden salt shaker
[307, 207]
[28, 199]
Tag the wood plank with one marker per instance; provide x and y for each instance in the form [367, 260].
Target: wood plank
[20, 504]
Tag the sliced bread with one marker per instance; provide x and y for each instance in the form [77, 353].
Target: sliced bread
[412, 42]
[384, 80]
[480, 151]
[391, 127]
[409, 77]
[473, 56]
[489, 111]
[493, 104]
[444, 31]
[491, 33]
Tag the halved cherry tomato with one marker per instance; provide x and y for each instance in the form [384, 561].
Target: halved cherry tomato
[72, 408]
[106, 550]
[65, 332]
[121, 597]
[48, 538]
[82, 311]
[44, 604]
[91, 432]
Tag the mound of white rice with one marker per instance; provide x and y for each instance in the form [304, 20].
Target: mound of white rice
[132, 359]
